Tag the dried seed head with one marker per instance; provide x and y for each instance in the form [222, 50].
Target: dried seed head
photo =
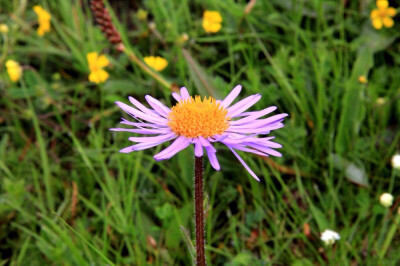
[103, 19]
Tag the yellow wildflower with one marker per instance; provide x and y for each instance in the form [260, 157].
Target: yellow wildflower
[382, 15]
[43, 19]
[212, 21]
[142, 14]
[156, 62]
[362, 79]
[14, 70]
[96, 63]
[3, 28]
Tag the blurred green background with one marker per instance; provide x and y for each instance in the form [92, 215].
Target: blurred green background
[67, 197]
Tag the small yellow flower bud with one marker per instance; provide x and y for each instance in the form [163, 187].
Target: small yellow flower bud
[380, 101]
[3, 28]
[362, 79]
[142, 14]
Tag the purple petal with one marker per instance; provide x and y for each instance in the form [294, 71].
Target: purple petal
[265, 149]
[243, 148]
[254, 116]
[136, 113]
[204, 142]
[179, 144]
[213, 158]
[198, 148]
[143, 130]
[250, 140]
[127, 149]
[176, 96]
[231, 96]
[184, 93]
[217, 138]
[261, 130]
[160, 108]
[261, 122]
[141, 125]
[264, 142]
[243, 105]
[160, 138]
[244, 164]
[139, 147]
[141, 107]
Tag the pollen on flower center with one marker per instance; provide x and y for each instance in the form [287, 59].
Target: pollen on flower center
[195, 117]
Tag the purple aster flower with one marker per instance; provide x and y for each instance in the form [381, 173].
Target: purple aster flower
[202, 123]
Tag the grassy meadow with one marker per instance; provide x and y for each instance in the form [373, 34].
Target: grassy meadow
[68, 197]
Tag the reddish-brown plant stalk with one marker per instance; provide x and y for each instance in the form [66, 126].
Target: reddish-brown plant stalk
[199, 213]
[103, 19]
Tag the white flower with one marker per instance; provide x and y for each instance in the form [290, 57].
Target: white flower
[386, 200]
[396, 161]
[329, 237]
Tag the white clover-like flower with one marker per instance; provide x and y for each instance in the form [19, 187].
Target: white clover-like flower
[329, 237]
[386, 199]
[396, 161]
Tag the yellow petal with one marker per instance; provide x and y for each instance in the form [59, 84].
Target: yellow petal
[92, 58]
[102, 61]
[40, 31]
[37, 9]
[149, 60]
[160, 63]
[156, 62]
[103, 75]
[374, 13]
[391, 11]
[41, 13]
[377, 23]
[14, 70]
[98, 76]
[388, 22]
[213, 16]
[43, 27]
[211, 26]
[382, 4]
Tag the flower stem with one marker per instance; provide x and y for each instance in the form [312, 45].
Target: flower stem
[199, 213]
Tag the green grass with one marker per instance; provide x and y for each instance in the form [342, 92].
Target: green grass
[303, 56]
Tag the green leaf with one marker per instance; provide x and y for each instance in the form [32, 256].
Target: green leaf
[124, 86]
[164, 212]
[202, 81]
[353, 110]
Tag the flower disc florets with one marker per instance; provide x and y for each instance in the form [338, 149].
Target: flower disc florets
[198, 118]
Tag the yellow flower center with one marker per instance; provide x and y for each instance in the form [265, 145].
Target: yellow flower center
[382, 13]
[195, 117]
